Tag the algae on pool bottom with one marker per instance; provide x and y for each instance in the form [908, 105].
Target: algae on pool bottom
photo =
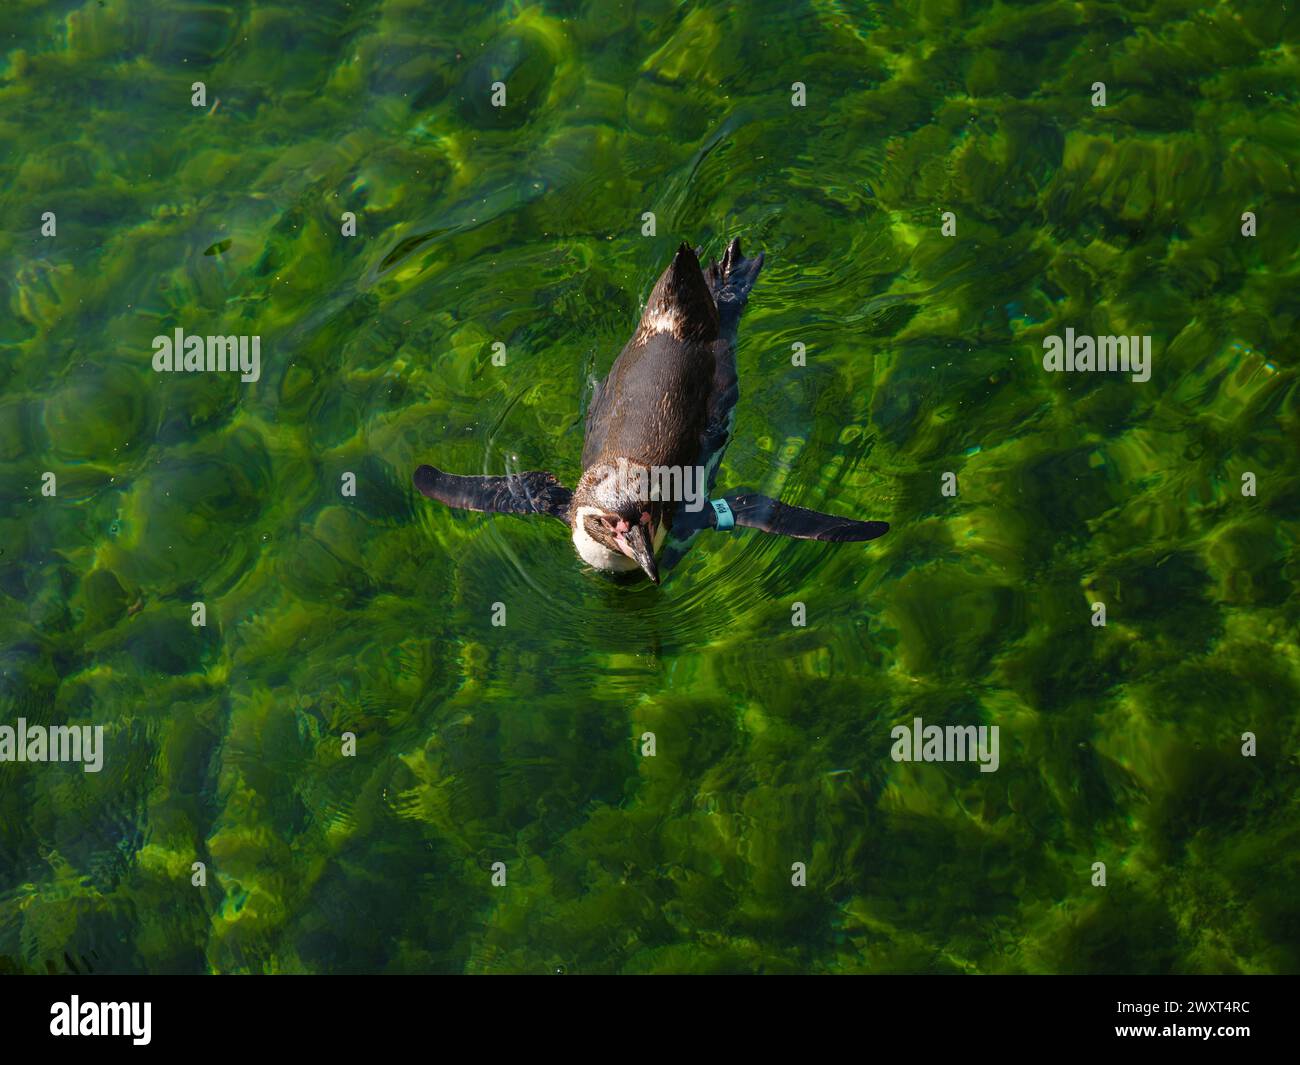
[372, 614]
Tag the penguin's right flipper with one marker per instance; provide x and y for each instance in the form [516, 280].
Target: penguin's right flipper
[753, 511]
[537, 492]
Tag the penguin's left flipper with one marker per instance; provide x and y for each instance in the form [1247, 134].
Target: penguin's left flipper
[537, 492]
[753, 511]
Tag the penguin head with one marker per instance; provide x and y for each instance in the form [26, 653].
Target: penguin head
[614, 530]
[680, 303]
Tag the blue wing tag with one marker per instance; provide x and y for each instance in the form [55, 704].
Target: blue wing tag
[726, 519]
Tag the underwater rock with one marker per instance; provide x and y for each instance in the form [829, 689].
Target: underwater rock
[97, 415]
[164, 641]
[520, 61]
[15, 433]
[169, 34]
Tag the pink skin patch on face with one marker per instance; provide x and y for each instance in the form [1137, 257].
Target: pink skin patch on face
[623, 527]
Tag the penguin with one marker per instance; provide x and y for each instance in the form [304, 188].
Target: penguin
[662, 416]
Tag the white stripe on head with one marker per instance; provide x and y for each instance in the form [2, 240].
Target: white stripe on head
[592, 551]
[596, 554]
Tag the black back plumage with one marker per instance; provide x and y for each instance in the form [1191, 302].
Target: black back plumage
[654, 405]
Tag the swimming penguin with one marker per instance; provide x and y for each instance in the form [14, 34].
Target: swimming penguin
[664, 413]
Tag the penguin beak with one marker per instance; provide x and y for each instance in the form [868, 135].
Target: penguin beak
[637, 546]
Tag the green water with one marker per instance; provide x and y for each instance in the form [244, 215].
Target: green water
[521, 744]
